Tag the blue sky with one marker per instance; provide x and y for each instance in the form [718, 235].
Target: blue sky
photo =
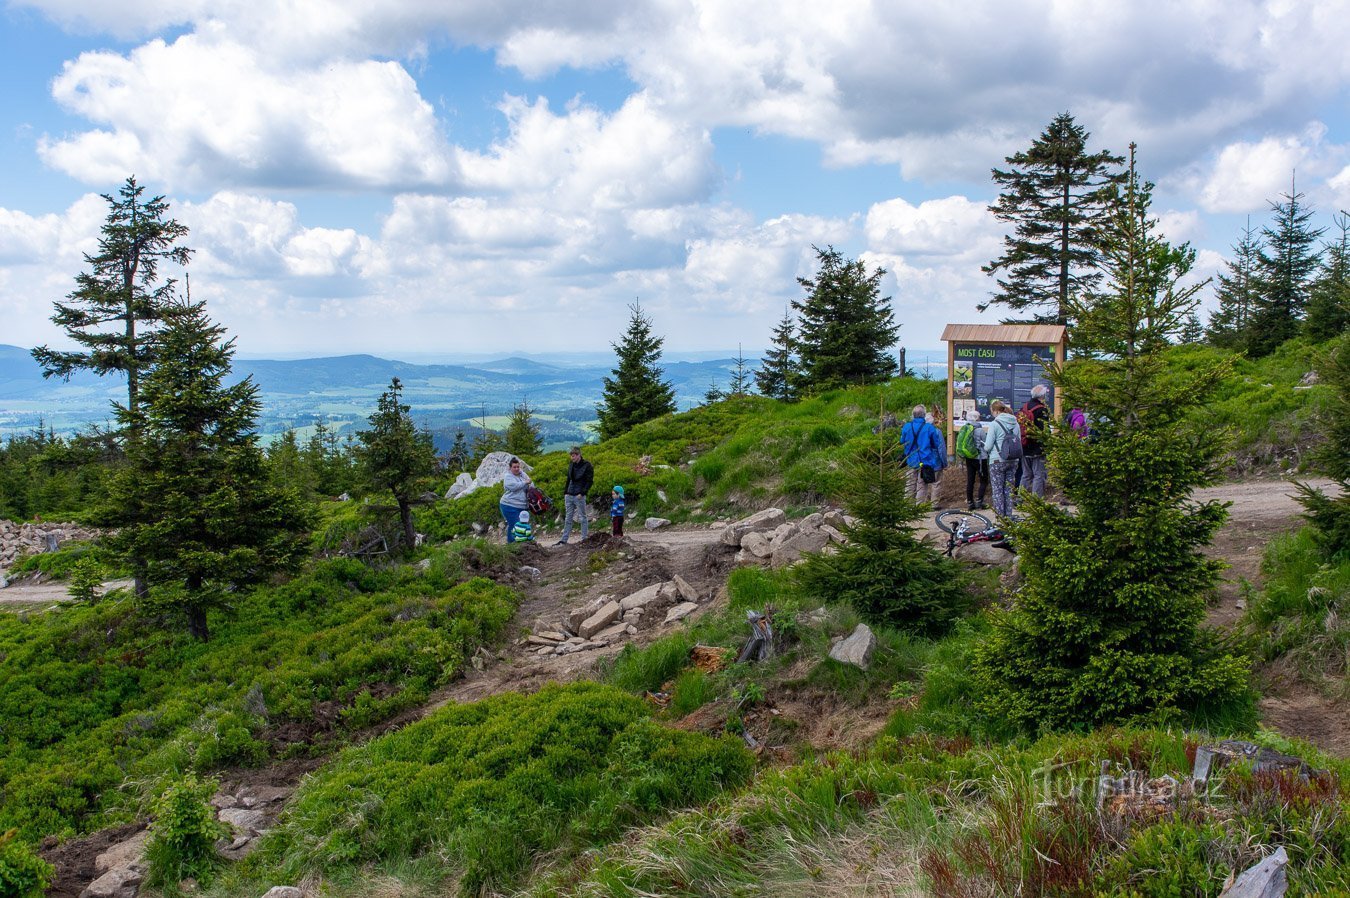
[407, 177]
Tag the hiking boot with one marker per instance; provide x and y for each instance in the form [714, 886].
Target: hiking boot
[561, 542]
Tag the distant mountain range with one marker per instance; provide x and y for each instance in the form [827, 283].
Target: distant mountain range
[342, 392]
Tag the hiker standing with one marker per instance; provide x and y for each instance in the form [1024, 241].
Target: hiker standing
[580, 476]
[1003, 446]
[970, 447]
[514, 499]
[1033, 419]
[925, 455]
[616, 511]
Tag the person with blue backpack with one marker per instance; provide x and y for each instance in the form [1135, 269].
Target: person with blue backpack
[970, 449]
[1003, 446]
[925, 455]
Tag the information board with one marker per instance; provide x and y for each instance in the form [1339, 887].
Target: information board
[982, 373]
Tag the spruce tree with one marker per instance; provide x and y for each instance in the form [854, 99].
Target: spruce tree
[522, 434]
[194, 503]
[457, 459]
[1286, 267]
[846, 327]
[396, 456]
[1057, 197]
[778, 370]
[1106, 626]
[740, 376]
[1330, 515]
[1230, 324]
[636, 393]
[119, 304]
[714, 393]
[1329, 298]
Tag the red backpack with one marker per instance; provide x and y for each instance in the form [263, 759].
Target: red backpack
[538, 502]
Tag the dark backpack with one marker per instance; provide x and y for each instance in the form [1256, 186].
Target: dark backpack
[1011, 449]
[538, 502]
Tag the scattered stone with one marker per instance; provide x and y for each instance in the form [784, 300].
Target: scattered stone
[718, 525]
[661, 494]
[220, 801]
[123, 854]
[656, 523]
[239, 843]
[552, 634]
[535, 639]
[760, 520]
[985, 553]
[782, 534]
[478, 528]
[283, 892]
[1310, 379]
[575, 640]
[746, 557]
[687, 592]
[1240, 605]
[345, 497]
[833, 518]
[756, 544]
[121, 882]
[792, 550]
[549, 650]
[600, 620]
[575, 618]
[680, 612]
[857, 648]
[632, 615]
[642, 598]
[611, 632]
[532, 572]
[1265, 879]
[811, 521]
[630, 630]
[833, 533]
[243, 819]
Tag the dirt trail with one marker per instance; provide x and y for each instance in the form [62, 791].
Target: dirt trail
[48, 592]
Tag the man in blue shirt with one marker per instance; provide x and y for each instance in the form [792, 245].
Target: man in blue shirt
[925, 455]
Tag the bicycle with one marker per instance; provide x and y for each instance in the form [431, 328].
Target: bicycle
[964, 527]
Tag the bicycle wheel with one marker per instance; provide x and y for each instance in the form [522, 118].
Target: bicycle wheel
[953, 520]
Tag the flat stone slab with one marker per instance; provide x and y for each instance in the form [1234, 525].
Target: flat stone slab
[640, 599]
[857, 648]
[607, 615]
[123, 853]
[680, 611]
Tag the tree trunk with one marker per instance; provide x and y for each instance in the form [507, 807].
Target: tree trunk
[197, 623]
[405, 515]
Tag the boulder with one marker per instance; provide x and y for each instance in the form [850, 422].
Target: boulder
[599, 620]
[983, 553]
[811, 521]
[857, 648]
[793, 549]
[577, 616]
[243, 819]
[494, 467]
[782, 534]
[756, 544]
[833, 533]
[760, 520]
[745, 557]
[687, 592]
[680, 612]
[1265, 879]
[120, 882]
[122, 854]
[611, 632]
[463, 484]
[642, 598]
[283, 892]
[834, 518]
[656, 523]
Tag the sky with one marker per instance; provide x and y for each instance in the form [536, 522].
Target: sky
[432, 176]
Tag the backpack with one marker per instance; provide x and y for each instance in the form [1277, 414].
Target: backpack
[1078, 423]
[538, 502]
[965, 442]
[1026, 420]
[1011, 449]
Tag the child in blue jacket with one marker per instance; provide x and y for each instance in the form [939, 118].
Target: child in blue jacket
[616, 511]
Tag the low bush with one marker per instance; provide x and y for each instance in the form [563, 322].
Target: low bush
[482, 788]
[22, 873]
[183, 834]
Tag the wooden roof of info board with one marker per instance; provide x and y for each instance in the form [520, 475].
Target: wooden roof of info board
[1034, 334]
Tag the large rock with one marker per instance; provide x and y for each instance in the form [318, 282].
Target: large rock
[857, 648]
[123, 854]
[782, 534]
[1265, 879]
[601, 619]
[579, 615]
[792, 550]
[642, 598]
[283, 892]
[243, 819]
[767, 519]
[462, 486]
[120, 882]
[756, 544]
[494, 467]
[680, 611]
[687, 592]
[984, 552]
[656, 523]
[811, 521]
[833, 533]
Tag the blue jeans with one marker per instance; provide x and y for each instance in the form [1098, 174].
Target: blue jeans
[574, 505]
[511, 514]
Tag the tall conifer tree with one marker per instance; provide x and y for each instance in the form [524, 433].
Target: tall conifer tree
[522, 434]
[1329, 299]
[195, 505]
[1230, 324]
[395, 455]
[120, 302]
[1286, 268]
[636, 393]
[1057, 196]
[778, 370]
[846, 327]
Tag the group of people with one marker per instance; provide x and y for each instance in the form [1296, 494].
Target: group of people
[999, 457]
[515, 501]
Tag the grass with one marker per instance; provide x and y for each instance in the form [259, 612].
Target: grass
[94, 696]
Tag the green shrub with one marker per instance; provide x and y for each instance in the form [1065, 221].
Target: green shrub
[85, 580]
[485, 787]
[22, 873]
[183, 833]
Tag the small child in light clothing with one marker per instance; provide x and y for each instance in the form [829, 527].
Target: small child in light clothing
[522, 532]
[616, 511]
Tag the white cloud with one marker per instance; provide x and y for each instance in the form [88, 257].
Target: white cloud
[205, 111]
